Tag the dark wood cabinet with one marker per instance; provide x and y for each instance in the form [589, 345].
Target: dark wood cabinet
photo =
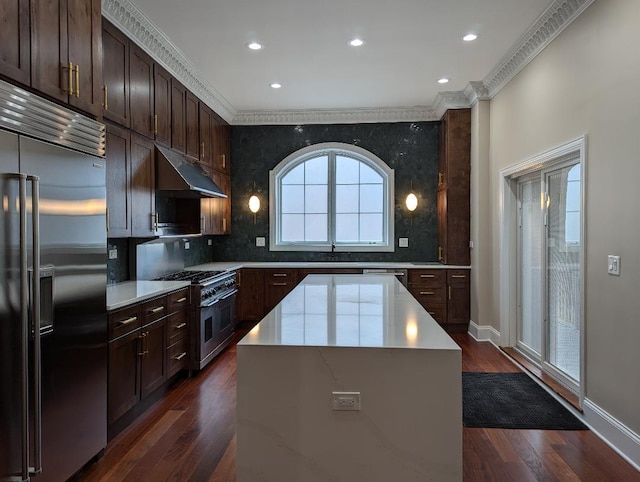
[429, 287]
[454, 177]
[118, 174]
[66, 52]
[178, 116]
[15, 47]
[220, 156]
[115, 75]
[178, 327]
[192, 127]
[220, 209]
[278, 284]
[250, 297]
[143, 205]
[141, 93]
[205, 137]
[153, 369]
[458, 298]
[124, 375]
[161, 105]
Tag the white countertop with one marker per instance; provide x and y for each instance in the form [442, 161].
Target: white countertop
[234, 265]
[350, 311]
[129, 292]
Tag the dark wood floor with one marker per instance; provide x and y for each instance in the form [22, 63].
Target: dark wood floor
[190, 436]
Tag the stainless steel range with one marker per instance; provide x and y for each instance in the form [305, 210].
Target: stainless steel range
[213, 294]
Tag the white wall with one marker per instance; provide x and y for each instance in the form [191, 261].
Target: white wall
[586, 82]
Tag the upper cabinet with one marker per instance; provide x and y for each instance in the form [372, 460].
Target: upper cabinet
[205, 129]
[141, 91]
[220, 142]
[192, 126]
[178, 116]
[162, 105]
[115, 75]
[454, 176]
[14, 41]
[66, 52]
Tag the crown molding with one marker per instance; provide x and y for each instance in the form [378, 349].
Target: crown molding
[558, 16]
[549, 25]
[130, 19]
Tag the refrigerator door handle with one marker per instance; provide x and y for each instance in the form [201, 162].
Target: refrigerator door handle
[35, 317]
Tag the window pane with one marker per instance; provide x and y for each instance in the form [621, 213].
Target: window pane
[315, 199]
[294, 176]
[316, 170]
[573, 196]
[347, 171]
[346, 228]
[371, 197]
[292, 199]
[292, 228]
[371, 227]
[315, 228]
[572, 228]
[368, 175]
[347, 198]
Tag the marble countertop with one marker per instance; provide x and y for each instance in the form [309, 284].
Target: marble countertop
[229, 265]
[350, 311]
[123, 294]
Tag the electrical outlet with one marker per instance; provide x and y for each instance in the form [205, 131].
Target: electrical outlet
[260, 241]
[403, 242]
[186, 245]
[346, 400]
[209, 242]
[113, 253]
[613, 265]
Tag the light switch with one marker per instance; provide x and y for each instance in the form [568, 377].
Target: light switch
[209, 242]
[113, 253]
[613, 265]
[186, 245]
[260, 241]
[403, 242]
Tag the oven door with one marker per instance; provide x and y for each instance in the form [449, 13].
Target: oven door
[216, 328]
[226, 316]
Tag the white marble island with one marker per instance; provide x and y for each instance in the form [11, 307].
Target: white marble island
[349, 333]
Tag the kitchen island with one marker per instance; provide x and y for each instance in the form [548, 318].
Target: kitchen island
[338, 343]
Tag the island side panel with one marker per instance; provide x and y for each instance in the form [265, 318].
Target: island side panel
[409, 427]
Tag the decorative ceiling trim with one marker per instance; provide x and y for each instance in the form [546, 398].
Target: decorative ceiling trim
[130, 19]
[558, 16]
[549, 25]
[335, 116]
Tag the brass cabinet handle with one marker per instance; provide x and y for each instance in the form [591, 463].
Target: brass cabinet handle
[143, 337]
[69, 79]
[128, 321]
[157, 310]
[279, 284]
[108, 223]
[180, 326]
[458, 275]
[427, 276]
[182, 300]
[76, 69]
[431, 312]
[105, 90]
[156, 219]
[203, 223]
[155, 125]
[202, 150]
[223, 161]
[440, 176]
[224, 224]
[449, 292]
[181, 355]
[279, 275]
[440, 253]
[428, 293]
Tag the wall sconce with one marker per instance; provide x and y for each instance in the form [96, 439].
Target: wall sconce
[254, 206]
[411, 202]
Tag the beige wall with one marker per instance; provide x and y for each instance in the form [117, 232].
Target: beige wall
[586, 82]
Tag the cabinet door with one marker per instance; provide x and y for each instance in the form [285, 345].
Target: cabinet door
[222, 147]
[205, 137]
[124, 375]
[278, 284]
[143, 213]
[50, 72]
[250, 297]
[192, 126]
[115, 75]
[84, 29]
[118, 172]
[221, 207]
[153, 371]
[178, 116]
[207, 216]
[14, 41]
[458, 299]
[141, 91]
[162, 105]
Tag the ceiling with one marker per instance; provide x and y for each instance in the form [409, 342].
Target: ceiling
[409, 45]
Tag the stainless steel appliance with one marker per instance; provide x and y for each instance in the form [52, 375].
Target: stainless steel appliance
[53, 327]
[213, 294]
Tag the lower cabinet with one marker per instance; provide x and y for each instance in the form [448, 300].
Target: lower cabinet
[146, 346]
[250, 296]
[278, 283]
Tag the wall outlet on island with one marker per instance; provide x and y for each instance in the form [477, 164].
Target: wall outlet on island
[113, 253]
[346, 400]
[260, 241]
[403, 242]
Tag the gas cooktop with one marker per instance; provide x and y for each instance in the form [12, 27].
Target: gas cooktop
[195, 277]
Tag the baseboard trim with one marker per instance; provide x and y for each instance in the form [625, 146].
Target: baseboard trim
[613, 432]
[484, 333]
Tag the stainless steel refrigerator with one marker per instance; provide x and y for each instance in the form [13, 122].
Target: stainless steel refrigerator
[53, 328]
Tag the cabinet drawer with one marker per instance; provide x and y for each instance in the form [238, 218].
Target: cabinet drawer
[428, 277]
[177, 326]
[153, 310]
[281, 275]
[124, 321]
[436, 294]
[457, 276]
[178, 301]
[177, 357]
[437, 310]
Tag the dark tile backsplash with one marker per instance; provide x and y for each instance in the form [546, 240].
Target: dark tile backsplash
[410, 148]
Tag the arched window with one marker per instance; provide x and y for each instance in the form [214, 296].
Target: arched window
[331, 197]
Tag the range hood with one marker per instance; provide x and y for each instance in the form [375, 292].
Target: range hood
[176, 173]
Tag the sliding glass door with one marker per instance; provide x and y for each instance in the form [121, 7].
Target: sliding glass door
[549, 270]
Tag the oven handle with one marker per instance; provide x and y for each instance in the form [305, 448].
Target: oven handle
[228, 295]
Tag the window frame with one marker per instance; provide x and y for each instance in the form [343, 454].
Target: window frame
[332, 149]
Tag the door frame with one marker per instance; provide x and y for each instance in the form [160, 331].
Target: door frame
[508, 210]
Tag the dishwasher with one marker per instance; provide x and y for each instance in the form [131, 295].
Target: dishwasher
[401, 274]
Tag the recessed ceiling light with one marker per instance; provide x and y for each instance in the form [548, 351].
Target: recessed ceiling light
[443, 80]
[469, 37]
[356, 42]
[254, 45]
[275, 85]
